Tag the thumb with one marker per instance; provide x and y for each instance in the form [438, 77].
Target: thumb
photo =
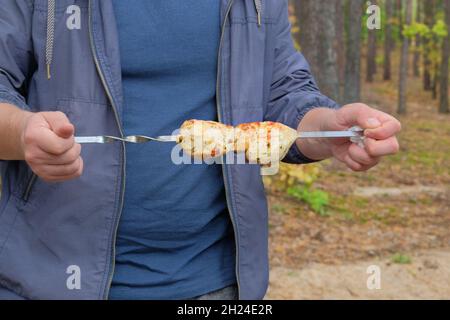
[359, 114]
[64, 130]
[372, 123]
[59, 124]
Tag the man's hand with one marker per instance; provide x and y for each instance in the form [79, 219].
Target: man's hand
[380, 140]
[380, 132]
[49, 148]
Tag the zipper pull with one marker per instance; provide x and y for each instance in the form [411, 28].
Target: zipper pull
[258, 7]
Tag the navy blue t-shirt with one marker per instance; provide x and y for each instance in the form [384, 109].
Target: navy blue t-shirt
[175, 238]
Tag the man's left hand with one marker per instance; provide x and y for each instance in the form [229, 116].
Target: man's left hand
[380, 136]
[380, 140]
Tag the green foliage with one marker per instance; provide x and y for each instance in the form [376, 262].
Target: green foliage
[440, 29]
[437, 32]
[317, 200]
[410, 31]
[434, 37]
[292, 175]
[400, 258]
[296, 181]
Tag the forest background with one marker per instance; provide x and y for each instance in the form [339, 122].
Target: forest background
[330, 228]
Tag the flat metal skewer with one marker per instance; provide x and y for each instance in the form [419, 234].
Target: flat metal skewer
[356, 133]
[329, 134]
[128, 139]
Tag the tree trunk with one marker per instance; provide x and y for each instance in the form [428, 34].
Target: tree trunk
[327, 49]
[306, 12]
[388, 40]
[404, 62]
[434, 83]
[417, 42]
[353, 48]
[416, 59]
[399, 8]
[371, 68]
[340, 44]
[317, 40]
[429, 21]
[444, 82]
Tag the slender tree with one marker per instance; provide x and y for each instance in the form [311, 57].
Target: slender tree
[317, 40]
[435, 80]
[418, 40]
[400, 20]
[327, 47]
[427, 65]
[353, 47]
[306, 11]
[444, 81]
[340, 44]
[389, 7]
[404, 62]
[371, 63]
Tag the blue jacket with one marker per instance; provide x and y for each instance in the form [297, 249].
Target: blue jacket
[47, 228]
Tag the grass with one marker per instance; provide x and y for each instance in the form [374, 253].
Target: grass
[424, 147]
[317, 200]
[278, 208]
[400, 258]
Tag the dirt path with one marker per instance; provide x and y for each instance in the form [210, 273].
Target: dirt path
[426, 277]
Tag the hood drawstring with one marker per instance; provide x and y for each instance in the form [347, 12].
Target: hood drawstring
[50, 35]
[258, 7]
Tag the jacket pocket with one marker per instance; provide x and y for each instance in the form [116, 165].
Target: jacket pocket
[29, 187]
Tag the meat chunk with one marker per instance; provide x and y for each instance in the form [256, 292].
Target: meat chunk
[265, 142]
[206, 139]
[262, 142]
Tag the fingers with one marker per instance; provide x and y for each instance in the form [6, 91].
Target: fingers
[361, 156]
[362, 159]
[50, 143]
[63, 170]
[357, 159]
[50, 148]
[379, 125]
[57, 168]
[39, 132]
[59, 124]
[57, 175]
[388, 128]
[59, 138]
[380, 148]
[352, 164]
[68, 157]
[358, 114]
[380, 130]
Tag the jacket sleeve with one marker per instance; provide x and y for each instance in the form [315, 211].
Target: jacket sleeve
[15, 50]
[294, 91]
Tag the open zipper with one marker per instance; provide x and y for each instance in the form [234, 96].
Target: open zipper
[119, 125]
[219, 115]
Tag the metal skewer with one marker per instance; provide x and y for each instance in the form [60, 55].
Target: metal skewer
[355, 133]
[128, 139]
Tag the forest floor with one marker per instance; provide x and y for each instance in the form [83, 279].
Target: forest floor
[396, 216]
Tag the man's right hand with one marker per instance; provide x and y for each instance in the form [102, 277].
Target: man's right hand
[49, 148]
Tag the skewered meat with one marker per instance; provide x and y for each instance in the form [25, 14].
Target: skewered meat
[262, 142]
